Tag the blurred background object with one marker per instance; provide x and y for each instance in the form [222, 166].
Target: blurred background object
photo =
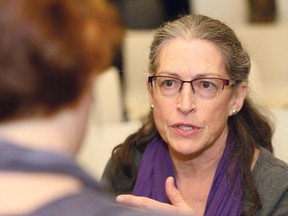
[149, 14]
[262, 11]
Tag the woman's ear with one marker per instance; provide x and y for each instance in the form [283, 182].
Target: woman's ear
[238, 98]
[150, 92]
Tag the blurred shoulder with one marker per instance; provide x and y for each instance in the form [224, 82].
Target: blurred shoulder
[87, 203]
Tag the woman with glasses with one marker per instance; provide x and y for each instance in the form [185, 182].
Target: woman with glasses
[204, 149]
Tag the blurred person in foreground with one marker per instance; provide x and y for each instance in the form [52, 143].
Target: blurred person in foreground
[205, 148]
[50, 53]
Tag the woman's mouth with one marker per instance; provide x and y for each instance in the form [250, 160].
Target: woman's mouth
[186, 130]
[185, 127]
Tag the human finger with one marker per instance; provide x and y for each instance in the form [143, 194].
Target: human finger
[176, 198]
[143, 203]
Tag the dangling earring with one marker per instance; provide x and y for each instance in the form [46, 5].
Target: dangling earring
[151, 106]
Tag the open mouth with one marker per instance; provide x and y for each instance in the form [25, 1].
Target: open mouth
[185, 127]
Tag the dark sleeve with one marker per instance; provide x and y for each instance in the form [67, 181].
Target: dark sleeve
[271, 178]
[115, 183]
[281, 208]
[118, 182]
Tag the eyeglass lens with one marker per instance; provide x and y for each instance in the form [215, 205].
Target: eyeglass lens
[203, 87]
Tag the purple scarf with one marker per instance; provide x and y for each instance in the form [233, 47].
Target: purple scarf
[225, 196]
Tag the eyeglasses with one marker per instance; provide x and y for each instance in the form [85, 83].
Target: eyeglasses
[206, 88]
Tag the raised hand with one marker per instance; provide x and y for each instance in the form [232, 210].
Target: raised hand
[178, 206]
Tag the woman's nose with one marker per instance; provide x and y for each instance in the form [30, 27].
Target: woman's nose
[186, 99]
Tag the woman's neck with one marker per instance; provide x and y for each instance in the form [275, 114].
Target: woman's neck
[201, 165]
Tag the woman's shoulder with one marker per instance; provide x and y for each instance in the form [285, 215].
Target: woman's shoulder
[267, 163]
[271, 178]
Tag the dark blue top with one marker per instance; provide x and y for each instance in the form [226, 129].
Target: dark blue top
[91, 201]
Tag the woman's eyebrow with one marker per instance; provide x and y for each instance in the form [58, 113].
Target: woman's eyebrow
[177, 75]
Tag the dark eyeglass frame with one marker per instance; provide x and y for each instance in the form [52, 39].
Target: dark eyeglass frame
[226, 82]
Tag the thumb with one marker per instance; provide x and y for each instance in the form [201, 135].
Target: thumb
[173, 193]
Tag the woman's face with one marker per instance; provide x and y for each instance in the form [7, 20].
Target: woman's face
[193, 125]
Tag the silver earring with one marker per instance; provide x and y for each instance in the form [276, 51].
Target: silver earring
[151, 106]
[234, 112]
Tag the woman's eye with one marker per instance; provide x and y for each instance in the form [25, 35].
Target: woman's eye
[207, 85]
[168, 83]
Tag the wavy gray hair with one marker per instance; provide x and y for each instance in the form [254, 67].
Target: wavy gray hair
[202, 27]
